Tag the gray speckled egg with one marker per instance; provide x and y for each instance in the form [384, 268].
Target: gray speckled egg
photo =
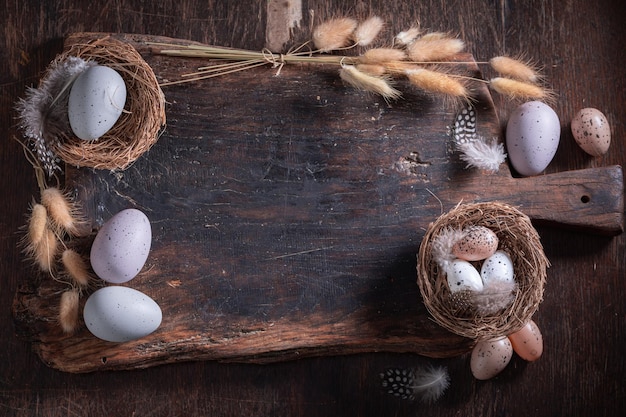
[96, 102]
[121, 246]
[533, 133]
[591, 131]
[120, 314]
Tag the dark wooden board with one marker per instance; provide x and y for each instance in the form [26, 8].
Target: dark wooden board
[287, 212]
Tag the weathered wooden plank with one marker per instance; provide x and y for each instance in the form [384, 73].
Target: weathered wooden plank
[286, 215]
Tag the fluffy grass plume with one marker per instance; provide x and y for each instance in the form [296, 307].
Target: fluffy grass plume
[365, 82]
[45, 252]
[435, 46]
[62, 212]
[515, 68]
[437, 82]
[519, 90]
[334, 34]
[406, 37]
[69, 311]
[375, 70]
[368, 30]
[37, 224]
[382, 55]
[76, 268]
[427, 59]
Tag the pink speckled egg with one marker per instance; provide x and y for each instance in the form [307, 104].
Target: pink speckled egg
[477, 243]
[591, 131]
[528, 342]
[490, 357]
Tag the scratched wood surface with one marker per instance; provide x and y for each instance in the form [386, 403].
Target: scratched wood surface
[287, 214]
[580, 316]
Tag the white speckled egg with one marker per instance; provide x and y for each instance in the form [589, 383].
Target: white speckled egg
[528, 342]
[121, 246]
[477, 243]
[591, 131]
[121, 314]
[498, 267]
[96, 101]
[490, 357]
[532, 137]
[462, 276]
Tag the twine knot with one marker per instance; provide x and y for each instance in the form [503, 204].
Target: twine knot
[277, 60]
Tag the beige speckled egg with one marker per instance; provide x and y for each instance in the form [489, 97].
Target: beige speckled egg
[527, 342]
[591, 131]
[490, 357]
[478, 243]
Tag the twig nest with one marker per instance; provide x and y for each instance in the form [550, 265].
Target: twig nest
[138, 127]
[518, 238]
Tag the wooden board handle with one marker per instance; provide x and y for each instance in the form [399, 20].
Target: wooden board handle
[590, 200]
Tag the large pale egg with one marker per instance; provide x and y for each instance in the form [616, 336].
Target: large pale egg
[497, 267]
[591, 131]
[462, 276]
[121, 246]
[477, 243]
[528, 342]
[96, 101]
[490, 357]
[532, 137]
[121, 314]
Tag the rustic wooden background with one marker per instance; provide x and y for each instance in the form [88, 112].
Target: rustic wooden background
[581, 46]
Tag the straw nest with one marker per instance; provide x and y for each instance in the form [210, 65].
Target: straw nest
[518, 238]
[138, 127]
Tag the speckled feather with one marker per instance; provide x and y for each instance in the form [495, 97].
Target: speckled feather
[426, 384]
[475, 150]
[41, 119]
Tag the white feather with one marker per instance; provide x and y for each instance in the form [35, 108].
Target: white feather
[430, 383]
[495, 297]
[483, 154]
[442, 246]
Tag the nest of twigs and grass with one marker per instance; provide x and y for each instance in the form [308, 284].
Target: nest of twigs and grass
[143, 117]
[44, 120]
[518, 238]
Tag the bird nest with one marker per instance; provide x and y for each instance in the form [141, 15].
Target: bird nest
[138, 127]
[518, 238]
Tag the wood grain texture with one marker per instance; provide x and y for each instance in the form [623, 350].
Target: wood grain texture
[581, 46]
[290, 210]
